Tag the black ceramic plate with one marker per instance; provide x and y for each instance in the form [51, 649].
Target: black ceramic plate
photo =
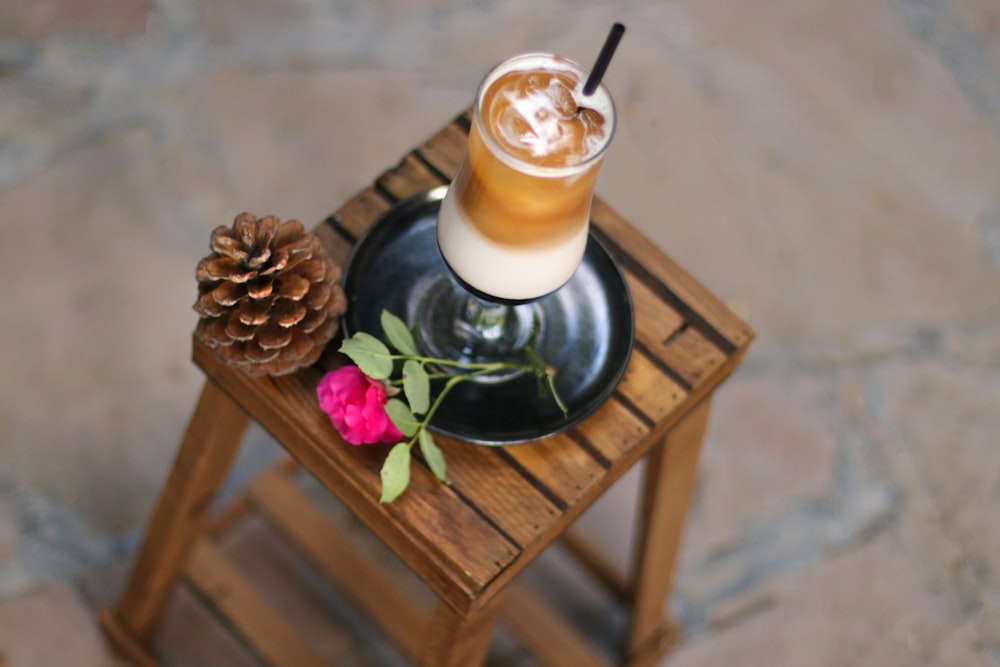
[587, 337]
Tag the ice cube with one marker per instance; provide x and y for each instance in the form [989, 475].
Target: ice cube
[515, 130]
[593, 123]
[573, 140]
[562, 97]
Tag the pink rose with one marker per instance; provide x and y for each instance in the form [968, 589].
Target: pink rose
[356, 405]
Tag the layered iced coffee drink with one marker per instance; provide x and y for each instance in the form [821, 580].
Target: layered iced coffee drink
[514, 223]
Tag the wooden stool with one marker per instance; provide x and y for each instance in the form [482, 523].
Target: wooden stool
[467, 540]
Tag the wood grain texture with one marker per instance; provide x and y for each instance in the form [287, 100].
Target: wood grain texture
[655, 320]
[561, 465]
[668, 483]
[614, 430]
[411, 177]
[338, 247]
[445, 150]
[692, 355]
[444, 539]
[459, 640]
[123, 642]
[499, 491]
[360, 212]
[649, 389]
[205, 456]
[264, 628]
[544, 633]
[681, 285]
[332, 550]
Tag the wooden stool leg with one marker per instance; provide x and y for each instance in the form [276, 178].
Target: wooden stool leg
[671, 469]
[457, 641]
[205, 456]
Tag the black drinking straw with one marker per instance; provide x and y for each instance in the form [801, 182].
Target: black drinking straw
[603, 58]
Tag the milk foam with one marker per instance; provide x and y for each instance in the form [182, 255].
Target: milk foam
[538, 117]
[537, 120]
[500, 264]
[505, 271]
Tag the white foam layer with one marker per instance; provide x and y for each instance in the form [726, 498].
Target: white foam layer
[505, 271]
[545, 132]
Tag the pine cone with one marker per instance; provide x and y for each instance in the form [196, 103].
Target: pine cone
[268, 296]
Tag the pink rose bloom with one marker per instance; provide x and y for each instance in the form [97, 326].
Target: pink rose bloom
[356, 405]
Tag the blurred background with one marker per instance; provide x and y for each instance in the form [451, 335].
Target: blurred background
[830, 168]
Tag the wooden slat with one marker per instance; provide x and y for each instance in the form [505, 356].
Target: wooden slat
[336, 246]
[332, 550]
[240, 506]
[546, 635]
[666, 335]
[410, 177]
[497, 490]
[262, 626]
[339, 250]
[559, 463]
[688, 290]
[452, 547]
[613, 430]
[692, 355]
[649, 388]
[360, 212]
[445, 149]
[123, 642]
[229, 516]
[655, 320]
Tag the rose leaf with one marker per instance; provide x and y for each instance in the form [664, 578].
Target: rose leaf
[417, 386]
[395, 472]
[433, 455]
[370, 354]
[397, 333]
[401, 417]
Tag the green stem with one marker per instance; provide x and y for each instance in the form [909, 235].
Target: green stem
[448, 386]
[479, 366]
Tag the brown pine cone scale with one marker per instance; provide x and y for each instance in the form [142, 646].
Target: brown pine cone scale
[268, 296]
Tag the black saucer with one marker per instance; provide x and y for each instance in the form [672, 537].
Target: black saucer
[589, 328]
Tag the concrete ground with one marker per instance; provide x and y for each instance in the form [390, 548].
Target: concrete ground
[831, 168]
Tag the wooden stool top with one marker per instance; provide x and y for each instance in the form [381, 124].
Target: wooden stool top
[504, 505]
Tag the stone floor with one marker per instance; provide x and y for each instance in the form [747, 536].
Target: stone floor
[831, 168]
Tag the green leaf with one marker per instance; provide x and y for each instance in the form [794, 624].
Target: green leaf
[546, 378]
[397, 334]
[395, 472]
[433, 455]
[543, 388]
[417, 386]
[535, 360]
[370, 354]
[401, 416]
